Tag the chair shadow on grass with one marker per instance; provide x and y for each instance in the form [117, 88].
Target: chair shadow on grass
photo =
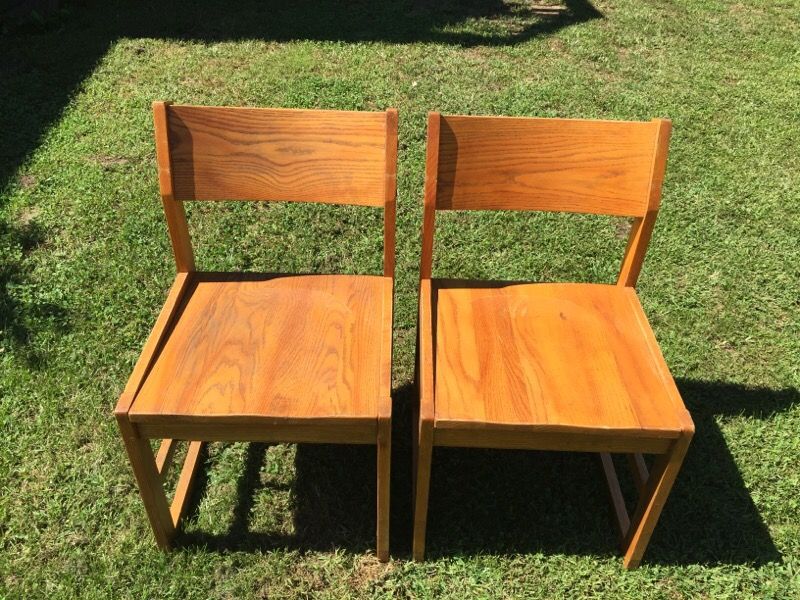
[510, 502]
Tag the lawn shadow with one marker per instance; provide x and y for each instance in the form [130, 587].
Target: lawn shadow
[333, 502]
[710, 517]
[512, 502]
[499, 502]
[22, 313]
[45, 62]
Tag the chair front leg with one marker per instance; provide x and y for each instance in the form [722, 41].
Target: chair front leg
[422, 476]
[652, 500]
[384, 476]
[149, 480]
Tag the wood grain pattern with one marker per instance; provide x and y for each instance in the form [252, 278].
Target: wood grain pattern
[221, 153]
[547, 366]
[293, 347]
[277, 358]
[565, 357]
[599, 167]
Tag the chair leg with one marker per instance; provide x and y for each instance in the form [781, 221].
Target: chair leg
[422, 477]
[147, 476]
[415, 424]
[384, 476]
[621, 519]
[180, 501]
[639, 471]
[652, 500]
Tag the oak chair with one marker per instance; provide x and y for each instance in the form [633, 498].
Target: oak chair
[547, 366]
[261, 357]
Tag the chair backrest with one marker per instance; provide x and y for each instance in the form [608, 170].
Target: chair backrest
[569, 165]
[225, 153]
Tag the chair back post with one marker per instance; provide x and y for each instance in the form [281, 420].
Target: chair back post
[390, 195]
[173, 209]
[642, 228]
[429, 206]
[566, 165]
[253, 154]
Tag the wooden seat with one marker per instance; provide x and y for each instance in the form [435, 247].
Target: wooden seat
[548, 366]
[549, 358]
[285, 348]
[265, 357]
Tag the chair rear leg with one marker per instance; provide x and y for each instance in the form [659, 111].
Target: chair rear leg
[149, 480]
[652, 500]
[384, 476]
[422, 476]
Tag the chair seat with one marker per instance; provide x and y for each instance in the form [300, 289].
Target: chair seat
[550, 357]
[274, 348]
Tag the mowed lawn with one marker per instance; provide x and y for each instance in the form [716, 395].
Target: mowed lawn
[85, 264]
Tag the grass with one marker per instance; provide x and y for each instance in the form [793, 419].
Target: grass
[85, 264]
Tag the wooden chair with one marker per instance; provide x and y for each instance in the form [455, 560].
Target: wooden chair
[267, 358]
[548, 366]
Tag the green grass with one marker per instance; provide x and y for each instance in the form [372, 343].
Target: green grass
[85, 264]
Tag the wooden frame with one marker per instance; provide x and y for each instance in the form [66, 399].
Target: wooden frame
[615, 168]
[208, 153]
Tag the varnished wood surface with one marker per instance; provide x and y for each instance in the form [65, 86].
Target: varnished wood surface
[542, 437]
[283, 430]
[547, 366]
[154, 342]
[425, 351]
[243, 357]
[166, 452]
[296, 347]
[431, 183]
[383, 482]
[555, 357]
[148, 478]
[183, 490]
[621, 518]
[599, 167]
[390, 194]
[222, 153]
[651, 502]
[173, 209]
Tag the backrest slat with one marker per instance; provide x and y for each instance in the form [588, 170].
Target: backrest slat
[567, 165]
[221, 153]
[598, 167]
